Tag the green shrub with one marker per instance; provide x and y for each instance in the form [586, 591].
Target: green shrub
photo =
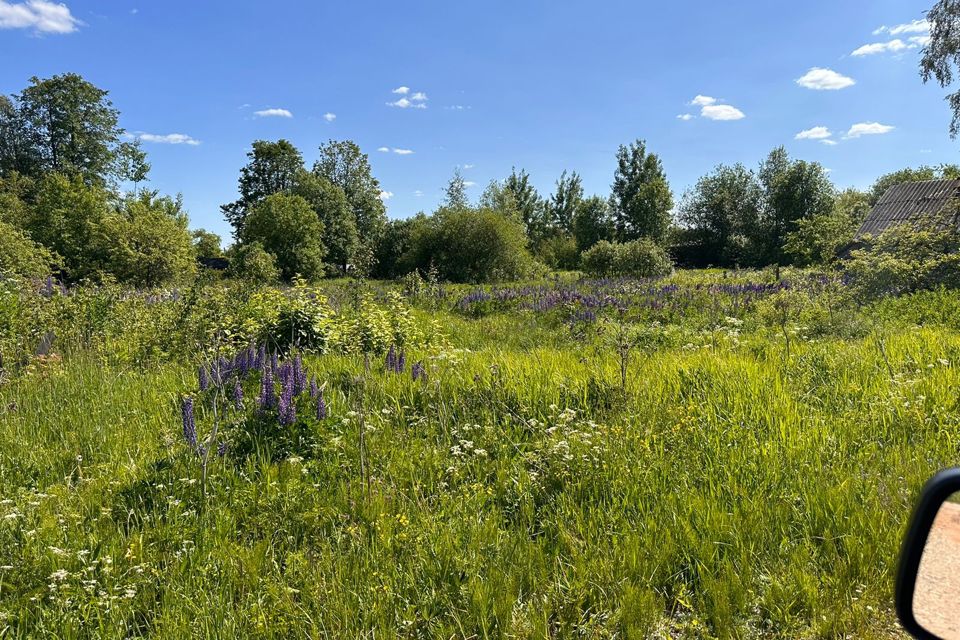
[21, 256]
[641, 258]
[251, 262]
[904, 259]
[288, 228]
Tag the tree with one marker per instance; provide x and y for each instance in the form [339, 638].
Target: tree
[71, 128]
[565, 201]
[641, 199]
[273, 167]
[147, 242]
[252, 263]
[287, 227]
[394, 245]
[721, 212]
[455, 195]
[329, 201]
[498, 198]
[17, 153]
[942, 53]
[66, 217]
[592, 222]
[819, 239]
[527, 202]
[21, 256]
[792, 191]
[343, 164]
[207, 244]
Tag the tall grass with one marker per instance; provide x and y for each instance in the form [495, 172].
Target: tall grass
[728, 492]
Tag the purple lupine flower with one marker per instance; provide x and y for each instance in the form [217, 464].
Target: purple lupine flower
[237, 394]
[418, 371]
[204, 379]
[222, 448]
[401, 361]
[321, 407]
[189, 425]
[287, 408]
[260, 358]
[314, 389]
[267, 396]
[299, 376]
[391, 363]
[274, 361]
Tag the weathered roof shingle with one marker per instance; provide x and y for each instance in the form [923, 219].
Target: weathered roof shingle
[914, 201]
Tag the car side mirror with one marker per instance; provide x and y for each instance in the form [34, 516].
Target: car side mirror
[928, 578]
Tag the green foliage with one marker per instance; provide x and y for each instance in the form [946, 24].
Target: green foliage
[566, 200]
[455, 194]
[252, 263]
[273, 167]
[600, 258]
[559, 251]
[641, 199]
[21, 256]
[207, 244]
[468, 245]
[819, 239]
[592, 222]
[288, 229]
[527, 202]
[904, 259]
[639, 258]
[329, 201]
[396, 242]
[345, 166]
[146, 241]
[66, 125]
[942, 52]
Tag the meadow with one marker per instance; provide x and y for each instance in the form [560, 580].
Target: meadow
[714, 454]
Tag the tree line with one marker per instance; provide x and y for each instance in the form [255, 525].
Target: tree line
[66, 207]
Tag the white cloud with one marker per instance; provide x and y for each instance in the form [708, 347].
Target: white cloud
[915, 26]
[459, 107]
[880, 47]
[273, 113]
[402, 152]
[920, 41]
[703, 101]
[828, 142]
[383, 149]
[469, 183]
[721, 112]
[468, 166]
[419, 96]
[170, 138]
[868, 129]
[685, 116]
[418, 193]
[40, 15]
[821, 79]
[815, 133]
[386, 195]
[403, 103]
[329, 117]
[402, 90]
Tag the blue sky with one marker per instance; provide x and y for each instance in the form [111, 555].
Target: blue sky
[542, 85]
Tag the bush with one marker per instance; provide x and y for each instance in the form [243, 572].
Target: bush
[252, 263]
[289, 229]
[599, 259]
[641, 258]
[21, 256]
[904, 259]
[471, 245]
[559, 251]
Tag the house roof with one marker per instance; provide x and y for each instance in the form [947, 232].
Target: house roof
[913, 201]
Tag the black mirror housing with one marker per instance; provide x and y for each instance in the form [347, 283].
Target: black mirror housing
[937, 490]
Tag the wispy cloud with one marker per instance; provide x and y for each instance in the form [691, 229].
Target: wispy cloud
[41, 16]
[401, 90]
[419, 96]
[399, 152]
[273, 113]
[828, 142]
[404, 103]
[814, 133]
[458, 107]
[418, 193]
[712, 109]
[469, 183]
[329, 117]
[170, 138]
[468, 166]
[821, 79]
[386, 195]
[880, 47]
[914, 26]
[868, 129]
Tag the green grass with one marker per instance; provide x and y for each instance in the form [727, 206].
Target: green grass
[727, 492]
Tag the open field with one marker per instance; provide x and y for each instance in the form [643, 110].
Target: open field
[709, 455]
